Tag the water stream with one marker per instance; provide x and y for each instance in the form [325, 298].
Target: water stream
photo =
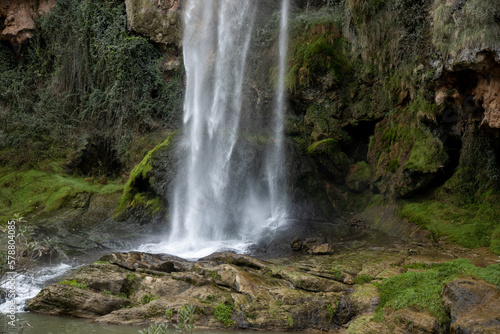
[227, 194]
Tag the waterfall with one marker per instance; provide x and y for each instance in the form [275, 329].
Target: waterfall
[227, 193]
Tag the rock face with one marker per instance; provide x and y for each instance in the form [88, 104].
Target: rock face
[160, 20]
[473, 305]
[19, 17]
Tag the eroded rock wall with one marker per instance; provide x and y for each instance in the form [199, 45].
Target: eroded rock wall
[17, 19]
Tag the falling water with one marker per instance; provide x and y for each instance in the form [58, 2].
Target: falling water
[226, 195]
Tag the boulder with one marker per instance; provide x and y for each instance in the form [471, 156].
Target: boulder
[63, 299]
[473, 306]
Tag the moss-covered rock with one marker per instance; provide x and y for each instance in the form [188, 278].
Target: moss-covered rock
[149, 181]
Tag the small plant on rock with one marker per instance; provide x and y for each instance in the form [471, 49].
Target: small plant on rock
[155, 328]
[223, 313]
[185, 324]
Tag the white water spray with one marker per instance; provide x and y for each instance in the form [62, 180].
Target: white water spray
[226, 193]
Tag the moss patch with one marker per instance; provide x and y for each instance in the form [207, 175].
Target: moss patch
[421, 290]
[138, 190]
[32, 191]
[472, 225]
[74, 283]
[223, 313]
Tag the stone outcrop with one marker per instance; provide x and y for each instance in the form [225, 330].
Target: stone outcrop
[473, 305]
[160, 20]
[18, 17]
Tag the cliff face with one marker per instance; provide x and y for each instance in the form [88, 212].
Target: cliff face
[17, 19]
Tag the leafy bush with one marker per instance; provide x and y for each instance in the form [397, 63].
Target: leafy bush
[83, 73]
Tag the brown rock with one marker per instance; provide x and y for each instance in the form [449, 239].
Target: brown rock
[20, 16]
[488, 90]
[322, 249]
[62, 299]
[160, 20]
[473, 306]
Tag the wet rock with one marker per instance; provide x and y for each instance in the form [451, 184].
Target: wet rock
[322, 249]
[473, 306]
[416, 322]
[62, 299]
[364, 299]
[139, 260]
[257, 293]
[296, 244]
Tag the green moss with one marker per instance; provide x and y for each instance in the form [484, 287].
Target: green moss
[427, 155]
[317, 48]
[422, 290]
[137, 190]
[32, 191]
[74, 283]
[362, 279]
[326, 145]
[473, 225]
[290, 321]
[148, 298]
[223, 313]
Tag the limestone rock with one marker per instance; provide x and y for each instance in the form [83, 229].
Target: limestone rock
[20, 16]
[156, 262]
[473, 306]
[258, 294]
[62, 299]
[160, 20]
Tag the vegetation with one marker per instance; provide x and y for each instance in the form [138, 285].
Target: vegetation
[74, 283]
[472, 225]
[422, 289]
[155, 328]
[83, 74]
[148, 298]
[25, 192]
[138, 190]
[223, 313]
[362, 279]
[185, 322]
[473, 24]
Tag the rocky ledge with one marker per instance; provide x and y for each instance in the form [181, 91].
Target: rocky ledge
[337, 291]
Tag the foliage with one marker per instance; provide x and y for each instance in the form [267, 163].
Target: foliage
[155, 328]
[223, 313]
[74, 283]
[422, 290]
[83, 73]
[332, 309]
[185, 322]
